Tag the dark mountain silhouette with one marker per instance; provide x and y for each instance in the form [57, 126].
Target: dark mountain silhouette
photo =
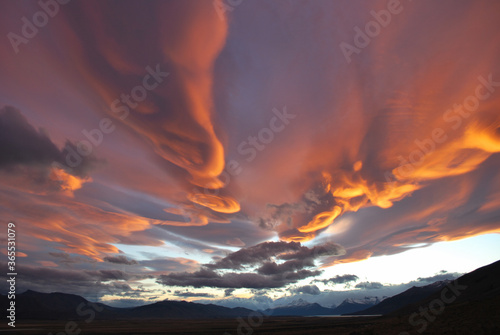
[469, 305]
[51, 306]
[61, 306]
[470, 302]
[185, 310]
[299, 308]
[474, 288]
[410, 296]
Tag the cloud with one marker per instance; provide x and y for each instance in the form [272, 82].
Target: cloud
[272, 268]
[292, 263]
[345, 150]
[339, 279]
[387, 125]
[187, 294]
[440, 277]
[326, 249]
[65, 258]
[369, 285]
[210, 278]
[235, 242]
[308, 289]
[89, 283]
[177, 118]
[75, 227]
[170, 264]
[228, 292]
[21, 144]
[31, 162]
[120, 259]
[219, 233]
[254, 255]
[282, 250]
[277, 214]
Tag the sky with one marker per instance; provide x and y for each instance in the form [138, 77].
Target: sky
[248, 153]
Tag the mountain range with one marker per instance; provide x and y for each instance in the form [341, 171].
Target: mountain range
[410, 296]
[476, 291]
[61, 306]
[301, 307]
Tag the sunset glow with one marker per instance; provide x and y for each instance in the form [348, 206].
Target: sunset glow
[246, 154]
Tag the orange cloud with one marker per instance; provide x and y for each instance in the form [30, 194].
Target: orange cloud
[356, 256]
[68, 182]
[222, 204]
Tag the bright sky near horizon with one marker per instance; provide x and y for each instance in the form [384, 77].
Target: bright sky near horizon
[460, 256]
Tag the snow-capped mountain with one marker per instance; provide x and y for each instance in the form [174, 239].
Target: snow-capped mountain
[350, 305]
[297, 303]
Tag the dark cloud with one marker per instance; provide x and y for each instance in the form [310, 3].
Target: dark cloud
[327, 249]
[88, 283]
[210, 278]
[120, 260]
[228, 292]
[254, 255]
[343, 279]
[307, 289]
[277, 214]
[442, 276]
[272, 268]
[22, 145]
[264, 258]
[66, 258]
[187, 294]
[282, 250]
[369, 285]
[284, 213]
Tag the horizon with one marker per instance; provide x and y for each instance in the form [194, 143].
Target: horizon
[286, 301]
[247, 153]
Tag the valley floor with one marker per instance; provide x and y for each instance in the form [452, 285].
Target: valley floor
[269, 325]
